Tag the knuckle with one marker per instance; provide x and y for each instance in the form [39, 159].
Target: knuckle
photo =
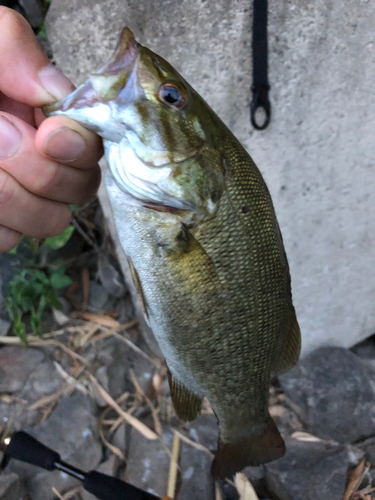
[60, 221]
[6, 189]
[93, 184]
[12, 21]
[8, 239]
[47, 181]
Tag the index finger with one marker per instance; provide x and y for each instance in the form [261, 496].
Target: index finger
[26, 75]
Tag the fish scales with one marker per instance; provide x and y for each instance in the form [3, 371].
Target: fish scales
[197, 224]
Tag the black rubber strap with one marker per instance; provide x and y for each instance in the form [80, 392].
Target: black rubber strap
[260, 87]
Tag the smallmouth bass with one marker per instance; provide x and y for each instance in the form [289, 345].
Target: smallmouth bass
[197, 224]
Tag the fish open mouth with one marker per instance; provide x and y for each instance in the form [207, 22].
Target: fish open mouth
[106, 83]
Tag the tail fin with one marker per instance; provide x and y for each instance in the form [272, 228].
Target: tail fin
[264, 447]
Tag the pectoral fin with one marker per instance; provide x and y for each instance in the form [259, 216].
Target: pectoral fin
[187, 405]
[292, 347]
[138, 287]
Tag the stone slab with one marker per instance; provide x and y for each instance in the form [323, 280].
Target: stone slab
[335, 391]
[309, 471]
[317, 155]
[11, 488]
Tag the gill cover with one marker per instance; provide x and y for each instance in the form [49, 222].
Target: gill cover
[157, 145]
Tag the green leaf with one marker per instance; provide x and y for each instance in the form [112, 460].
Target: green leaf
[60, 240]
[53, 300]
[59, 279]
[20, 330]
[13, 251]
[36, 321]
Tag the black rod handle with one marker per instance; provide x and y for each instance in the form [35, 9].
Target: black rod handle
[24, 447]
[110, 488]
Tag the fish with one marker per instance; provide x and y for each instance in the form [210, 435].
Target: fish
[197, 224]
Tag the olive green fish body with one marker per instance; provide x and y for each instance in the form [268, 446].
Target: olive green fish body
[197, 224]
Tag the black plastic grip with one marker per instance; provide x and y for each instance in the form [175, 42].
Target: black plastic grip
[110, 488]
[24, 447]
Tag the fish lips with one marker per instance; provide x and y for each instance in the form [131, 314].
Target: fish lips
[94, 102]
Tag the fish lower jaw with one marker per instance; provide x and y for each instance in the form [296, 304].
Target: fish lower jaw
[148, 186]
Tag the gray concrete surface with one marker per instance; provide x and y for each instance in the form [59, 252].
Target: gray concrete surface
[318, 154]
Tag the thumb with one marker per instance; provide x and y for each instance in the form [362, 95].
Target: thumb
[26, 75]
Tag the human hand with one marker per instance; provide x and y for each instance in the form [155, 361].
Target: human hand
[45, 164]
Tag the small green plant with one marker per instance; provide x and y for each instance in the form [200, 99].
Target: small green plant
[32, 290]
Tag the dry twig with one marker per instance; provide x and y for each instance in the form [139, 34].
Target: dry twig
[193, 443]
[244, 487]
[153, 410]
[218, 495]
[355, 478]
[137, 424]
[116, 451]
[69, 494]
[173, 468]
[100, 319]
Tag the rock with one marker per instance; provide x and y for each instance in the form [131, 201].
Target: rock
[102, 377]
[204, 430]
[110, 277]
[366, 351]
[118, 358]
[368, 447]
[4, 326]
[8, 268]
[12, 488]
[148, 463]
[196, 479]
[255, 475]
[16, 365]
[34, 11]
[99, 299]
[118, 438]
[355, 454]
[228, 491]
[148, 467]
[335, 392]
[71, 430]
[26, 375]
[308, 471]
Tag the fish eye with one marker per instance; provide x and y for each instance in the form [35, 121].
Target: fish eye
[172, 95]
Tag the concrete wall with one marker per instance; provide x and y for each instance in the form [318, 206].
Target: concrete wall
[317, 155]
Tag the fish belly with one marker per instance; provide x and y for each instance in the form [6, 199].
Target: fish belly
[218, 331]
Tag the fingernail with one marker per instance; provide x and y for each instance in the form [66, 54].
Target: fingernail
[55, 82]
[10, 138]
[64, 144]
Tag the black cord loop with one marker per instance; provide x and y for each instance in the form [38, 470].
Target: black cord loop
[260, 100]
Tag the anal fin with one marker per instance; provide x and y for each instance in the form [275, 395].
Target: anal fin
[187, 405]
[292, 347]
